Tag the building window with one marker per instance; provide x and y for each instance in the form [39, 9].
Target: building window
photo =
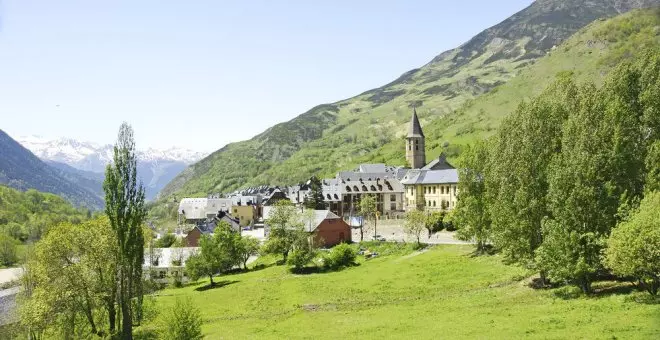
[442, 190]
[434, 203]
[434, 190]
[392, 198]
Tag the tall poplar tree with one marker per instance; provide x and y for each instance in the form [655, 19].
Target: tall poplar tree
[124, 205]
[471, 213]
[517, 173]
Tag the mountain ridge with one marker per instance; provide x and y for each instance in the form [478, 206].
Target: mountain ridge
[333, 136]
[74, 158]
[22, 170]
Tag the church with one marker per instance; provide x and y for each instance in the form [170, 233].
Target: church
[429, 186]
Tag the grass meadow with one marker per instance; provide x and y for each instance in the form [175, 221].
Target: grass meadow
[441, 292]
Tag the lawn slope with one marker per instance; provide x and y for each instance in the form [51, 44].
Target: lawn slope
[440, 293]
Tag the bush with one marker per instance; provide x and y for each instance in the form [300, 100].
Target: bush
[340, 256]
[176, 280]
[182, 322]
[633, 249]
[7, 250]
[300, 257]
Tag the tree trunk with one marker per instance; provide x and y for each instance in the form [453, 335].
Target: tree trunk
[543, 278]
[90, 317]
[585, 285]
[211, 278]
[112, 314]
[126, 322]
[361, 234]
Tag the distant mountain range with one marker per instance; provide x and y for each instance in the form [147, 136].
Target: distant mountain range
[22, 170]
[84, 162]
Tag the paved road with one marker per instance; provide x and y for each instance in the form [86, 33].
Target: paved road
[8, 305]
[395, 232]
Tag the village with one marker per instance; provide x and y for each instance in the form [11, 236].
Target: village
[429, 187]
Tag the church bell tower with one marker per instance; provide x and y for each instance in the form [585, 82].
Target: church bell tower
[415, 151]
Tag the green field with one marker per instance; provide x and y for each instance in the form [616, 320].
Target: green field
[440, 293]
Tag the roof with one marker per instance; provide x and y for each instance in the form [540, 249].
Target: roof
[193, 208]
[167, 255]
[415, 128]
[439, 163]
[372, 167]
[319, 217]
[311, 225]
[423, 176]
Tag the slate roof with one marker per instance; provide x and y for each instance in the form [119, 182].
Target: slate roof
[439, 163]
[423, 176]
[415, 128]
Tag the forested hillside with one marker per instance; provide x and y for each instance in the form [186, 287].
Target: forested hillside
[27, 215]
[369, 127]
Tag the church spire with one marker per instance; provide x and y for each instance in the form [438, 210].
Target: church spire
[415, 148]
[415, 127]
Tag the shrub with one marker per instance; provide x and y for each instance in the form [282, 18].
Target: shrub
[182, 322]
[633, 249]
[7, 250]
[300, 257]
[342, 255]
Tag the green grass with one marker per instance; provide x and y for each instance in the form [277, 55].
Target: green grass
[440, 293]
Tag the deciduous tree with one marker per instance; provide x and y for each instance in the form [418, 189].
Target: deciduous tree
[633, 249]
[124, 206]
[471, 213]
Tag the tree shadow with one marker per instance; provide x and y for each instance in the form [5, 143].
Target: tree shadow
[488, 250]
[215, 285]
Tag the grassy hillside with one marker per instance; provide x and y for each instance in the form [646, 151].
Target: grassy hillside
[370, 126]
[441, 293]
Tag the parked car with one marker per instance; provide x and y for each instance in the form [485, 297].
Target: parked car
[378, 238]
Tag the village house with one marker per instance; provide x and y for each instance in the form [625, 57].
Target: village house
[162, 263]
[431, 187]
[193, 210]
[208, 227]
[326, 228]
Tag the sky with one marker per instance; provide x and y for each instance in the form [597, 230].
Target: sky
[201, 74]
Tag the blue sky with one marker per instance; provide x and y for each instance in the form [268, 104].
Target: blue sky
[201, 74]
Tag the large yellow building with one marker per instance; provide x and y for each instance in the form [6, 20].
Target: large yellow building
[433, 187]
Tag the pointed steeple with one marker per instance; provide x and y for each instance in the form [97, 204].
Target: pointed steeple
[415, 128]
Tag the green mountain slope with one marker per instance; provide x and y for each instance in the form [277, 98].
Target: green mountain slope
[370, 126]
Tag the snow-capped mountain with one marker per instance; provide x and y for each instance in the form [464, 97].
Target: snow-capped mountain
[94, 157]
[155, 167]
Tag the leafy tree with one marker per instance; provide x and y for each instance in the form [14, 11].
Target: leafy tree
[71, 275]
[369, 211]
[633, 249]
[315, 199]
[434, 222]
[471, 214]
[516, 175]
[247, 246]
[7, 250]
[285, 226]
[182, 322]
[217, 254]
[601, 165]
[303, 252]
[415, 223]
[166, 241]
[124, 205]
